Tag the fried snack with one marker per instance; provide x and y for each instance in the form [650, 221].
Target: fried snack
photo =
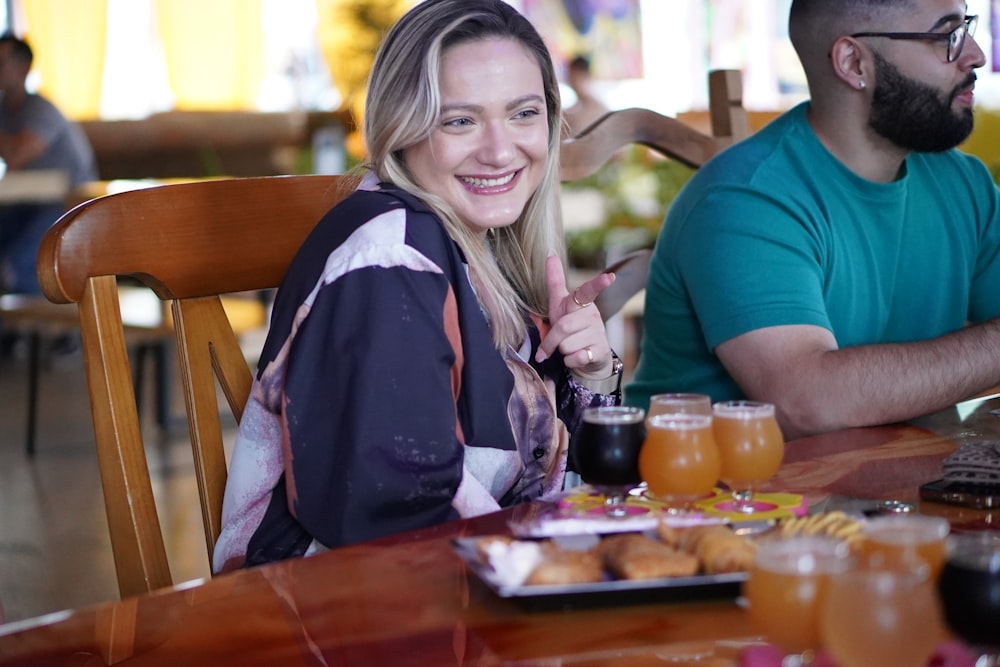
[636, 556]
[668, 534]
[566, 566]
[717, 548]
[836, 524]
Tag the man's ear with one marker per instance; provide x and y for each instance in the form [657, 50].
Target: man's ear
[851, 62]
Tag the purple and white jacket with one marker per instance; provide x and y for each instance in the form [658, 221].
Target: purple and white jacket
[380, 404]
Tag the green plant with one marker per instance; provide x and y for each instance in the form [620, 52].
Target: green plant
[638, 188]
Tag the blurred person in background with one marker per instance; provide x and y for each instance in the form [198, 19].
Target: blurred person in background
[588, 106]
[34, 134]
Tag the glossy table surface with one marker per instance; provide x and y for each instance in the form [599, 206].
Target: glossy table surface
[410, 600]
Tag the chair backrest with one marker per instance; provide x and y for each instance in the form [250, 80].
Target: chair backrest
[584, 154]
[190, 243]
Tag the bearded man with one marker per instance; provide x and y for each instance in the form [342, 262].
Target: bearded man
[843, 262]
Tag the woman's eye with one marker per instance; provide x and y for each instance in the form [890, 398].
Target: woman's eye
[457, 122]
[527, 113]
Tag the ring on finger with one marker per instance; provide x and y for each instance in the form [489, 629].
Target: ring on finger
[590, 355]
[577, 301]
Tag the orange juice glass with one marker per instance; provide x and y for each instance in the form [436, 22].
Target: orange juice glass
[751, 447]
[787, 585]
[878, 616]
[894, 540]
[679, 460]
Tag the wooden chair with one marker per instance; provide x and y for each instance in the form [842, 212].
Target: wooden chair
[190, 243]
[582, 155]
[587, 152]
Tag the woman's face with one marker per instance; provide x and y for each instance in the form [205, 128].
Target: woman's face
[487, 155]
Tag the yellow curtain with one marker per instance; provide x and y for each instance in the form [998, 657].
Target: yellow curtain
[68, 41]
[213, 51]
[349, 34]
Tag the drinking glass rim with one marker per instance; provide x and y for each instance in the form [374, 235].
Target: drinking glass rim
[824, 555]
[936, 527]
[680, 395]
[743, 409]
[613, 414]
[683, 420]
[978, 550]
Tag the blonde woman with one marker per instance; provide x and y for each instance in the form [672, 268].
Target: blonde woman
[425, 360]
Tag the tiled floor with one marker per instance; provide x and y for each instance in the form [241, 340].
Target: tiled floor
[54, 548]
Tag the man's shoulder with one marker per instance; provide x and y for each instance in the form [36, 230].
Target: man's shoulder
[36, 104]
[787, 132]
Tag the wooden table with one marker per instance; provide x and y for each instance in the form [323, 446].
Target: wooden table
[34, 186]
[409, 600]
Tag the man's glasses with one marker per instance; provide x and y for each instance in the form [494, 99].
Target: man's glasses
[955, 38]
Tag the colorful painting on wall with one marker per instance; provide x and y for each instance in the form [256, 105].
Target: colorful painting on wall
[994, 34]
[607, 31]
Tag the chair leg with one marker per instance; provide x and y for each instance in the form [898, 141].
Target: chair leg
[138, 375]
[162, 369]
[34, 352]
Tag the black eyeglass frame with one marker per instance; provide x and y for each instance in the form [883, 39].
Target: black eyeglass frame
[955, 38]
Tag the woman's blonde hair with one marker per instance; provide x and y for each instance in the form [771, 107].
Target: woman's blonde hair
[402, 109]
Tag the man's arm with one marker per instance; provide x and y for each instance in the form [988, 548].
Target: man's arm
[20, 149]
[818, 387]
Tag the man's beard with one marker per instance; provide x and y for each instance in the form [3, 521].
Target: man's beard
[913, 115]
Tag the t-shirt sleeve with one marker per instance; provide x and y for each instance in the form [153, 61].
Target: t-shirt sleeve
[749, 262]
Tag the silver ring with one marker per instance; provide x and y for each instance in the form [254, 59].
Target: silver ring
[582, 305]
[590, 355]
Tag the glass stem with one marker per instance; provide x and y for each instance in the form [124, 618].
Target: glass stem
[614, 504]
[743, 501]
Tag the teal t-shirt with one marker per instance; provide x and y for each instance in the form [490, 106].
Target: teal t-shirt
[775, 231]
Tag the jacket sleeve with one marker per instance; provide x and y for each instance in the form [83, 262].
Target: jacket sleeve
[372, 436]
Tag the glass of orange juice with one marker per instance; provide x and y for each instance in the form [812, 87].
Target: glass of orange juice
[874, 615]
[679, 460]
[679, 402]
[751, 447]
[894, 539]
[785, 591]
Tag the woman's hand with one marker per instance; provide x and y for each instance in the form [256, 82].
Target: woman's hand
[577, 327]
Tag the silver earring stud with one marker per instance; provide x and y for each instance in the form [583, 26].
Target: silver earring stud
[862, 85]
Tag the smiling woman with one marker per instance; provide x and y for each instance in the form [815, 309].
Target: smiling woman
[425, 359]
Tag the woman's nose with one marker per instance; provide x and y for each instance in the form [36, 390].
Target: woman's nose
[497, 147]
